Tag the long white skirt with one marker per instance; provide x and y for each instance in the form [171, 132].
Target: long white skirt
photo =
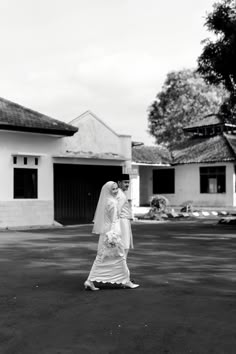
[107, 269]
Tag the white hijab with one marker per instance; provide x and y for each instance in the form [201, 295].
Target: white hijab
[99, 217]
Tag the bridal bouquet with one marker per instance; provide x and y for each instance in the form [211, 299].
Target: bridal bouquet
[112, 245]
[112, 239]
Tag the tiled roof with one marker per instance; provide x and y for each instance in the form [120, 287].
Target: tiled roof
[232, 141]
[151, 155]
[18, 118]
[220, 148]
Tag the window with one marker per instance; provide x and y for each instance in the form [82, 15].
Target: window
[164, 181]
[14, 160]
[36, 161]
[25, 160]
[212, 179]
[25, 183]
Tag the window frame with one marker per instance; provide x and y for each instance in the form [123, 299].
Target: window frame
[209, 174]
[21, 179]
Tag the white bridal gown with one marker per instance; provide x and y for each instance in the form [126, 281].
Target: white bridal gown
[110, 268]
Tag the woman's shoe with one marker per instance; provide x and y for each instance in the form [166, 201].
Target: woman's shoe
[131, 285]
[90, 286]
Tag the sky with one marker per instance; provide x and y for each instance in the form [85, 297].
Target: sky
[64, 57]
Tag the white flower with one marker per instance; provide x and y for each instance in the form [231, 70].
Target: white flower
[112, 239]
[112, 246]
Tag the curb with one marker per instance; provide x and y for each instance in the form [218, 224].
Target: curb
[195, 214]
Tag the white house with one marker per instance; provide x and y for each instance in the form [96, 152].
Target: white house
[52, 171]
[200, 171]
[93, 156]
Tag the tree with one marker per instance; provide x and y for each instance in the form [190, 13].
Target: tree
[217, 63]
[185, 98]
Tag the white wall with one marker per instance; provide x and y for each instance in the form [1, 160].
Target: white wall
[95, 136]
[22, 212]
[187, 186]
[135, 186]
[26, 212]
[14, 143]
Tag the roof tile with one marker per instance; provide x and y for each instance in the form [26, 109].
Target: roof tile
[205, 150]
[16, 117]
[151, 154]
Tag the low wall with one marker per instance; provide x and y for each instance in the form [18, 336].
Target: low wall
[26, 213]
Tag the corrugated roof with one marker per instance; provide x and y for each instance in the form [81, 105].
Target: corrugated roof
[151, 155]
[220, 148]
[18, 118]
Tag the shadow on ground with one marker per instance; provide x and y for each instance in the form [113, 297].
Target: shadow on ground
[186, 302]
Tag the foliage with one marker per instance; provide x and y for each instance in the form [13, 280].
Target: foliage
[185, 98]
[217, 63]
[158, 206]
[188, 207]
[159, 203]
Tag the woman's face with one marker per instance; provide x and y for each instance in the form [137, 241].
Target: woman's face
[114, 189]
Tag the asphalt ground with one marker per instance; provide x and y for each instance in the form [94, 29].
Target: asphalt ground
[186, 302]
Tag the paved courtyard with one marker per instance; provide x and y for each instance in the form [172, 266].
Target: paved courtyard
[186, 302]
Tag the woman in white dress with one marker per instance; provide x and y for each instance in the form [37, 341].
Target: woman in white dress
[110, 264]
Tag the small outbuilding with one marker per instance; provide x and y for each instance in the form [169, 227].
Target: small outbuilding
[52, 172]
[201, 171]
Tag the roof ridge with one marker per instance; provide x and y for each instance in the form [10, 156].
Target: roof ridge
[229, 144]
[89, 112]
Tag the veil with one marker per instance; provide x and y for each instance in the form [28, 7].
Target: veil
[99, 217]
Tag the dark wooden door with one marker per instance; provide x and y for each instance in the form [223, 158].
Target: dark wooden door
[76, 191]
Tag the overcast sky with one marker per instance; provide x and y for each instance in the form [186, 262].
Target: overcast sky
[63, 57]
